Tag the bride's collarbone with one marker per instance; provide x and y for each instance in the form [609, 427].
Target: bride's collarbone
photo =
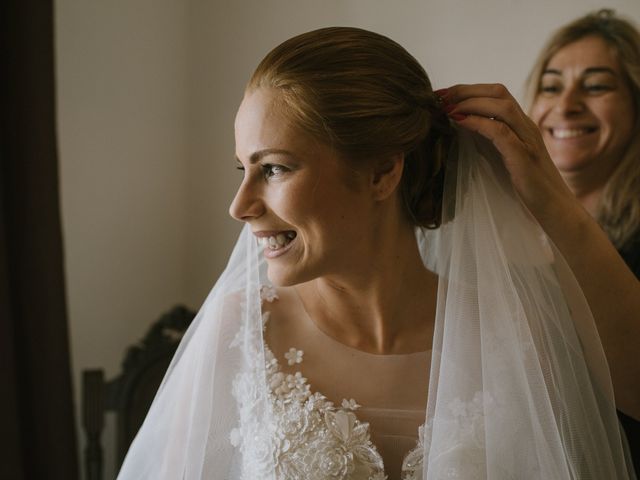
[289, 323]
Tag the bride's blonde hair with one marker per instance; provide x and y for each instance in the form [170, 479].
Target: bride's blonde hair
[367, 97]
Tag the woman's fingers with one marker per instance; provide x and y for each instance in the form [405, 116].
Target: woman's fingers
[499, 109]
[457, 93]
[487, 100]
[469, 104]
[491, 111]
[499, 133]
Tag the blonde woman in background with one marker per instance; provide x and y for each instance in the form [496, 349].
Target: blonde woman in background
[584, 95]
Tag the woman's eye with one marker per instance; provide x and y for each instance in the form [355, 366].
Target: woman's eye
[271, 170]
[549, 89]
[598, 88]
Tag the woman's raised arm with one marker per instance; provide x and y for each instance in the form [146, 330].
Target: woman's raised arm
[611, 289]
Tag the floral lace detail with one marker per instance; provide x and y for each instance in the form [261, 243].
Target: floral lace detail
[307, 437]
[304, 435]
[412, 463]
[464, 455]
[350, 404]
[268, 293]
[293, 356]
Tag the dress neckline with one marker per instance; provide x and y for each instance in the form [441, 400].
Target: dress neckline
[293, 394]
[412, 459]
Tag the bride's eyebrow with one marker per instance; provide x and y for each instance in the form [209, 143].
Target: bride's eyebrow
[260, 154]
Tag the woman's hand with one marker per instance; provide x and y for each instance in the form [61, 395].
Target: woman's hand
[611, 289]
[491, 111]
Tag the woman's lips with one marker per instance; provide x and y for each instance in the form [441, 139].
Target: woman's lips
[566, 133]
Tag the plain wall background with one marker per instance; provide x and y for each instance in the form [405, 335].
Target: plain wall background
[147, 93]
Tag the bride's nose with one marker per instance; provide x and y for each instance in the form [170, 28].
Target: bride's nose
[247, 203]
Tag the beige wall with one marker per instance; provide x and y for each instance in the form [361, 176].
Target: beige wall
[147, 92]
[121, 73]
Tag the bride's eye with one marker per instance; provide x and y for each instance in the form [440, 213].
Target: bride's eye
[271, 170]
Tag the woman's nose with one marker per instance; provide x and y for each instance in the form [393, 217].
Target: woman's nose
[570, 101]
[247, 203]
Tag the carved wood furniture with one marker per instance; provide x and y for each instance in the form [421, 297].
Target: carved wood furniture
[130, 394]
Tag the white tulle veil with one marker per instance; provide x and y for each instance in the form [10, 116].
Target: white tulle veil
[519, 385]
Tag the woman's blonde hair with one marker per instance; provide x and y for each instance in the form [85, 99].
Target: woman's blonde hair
[367, 97]
[619, 207]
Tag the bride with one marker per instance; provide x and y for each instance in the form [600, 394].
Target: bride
[396, 306]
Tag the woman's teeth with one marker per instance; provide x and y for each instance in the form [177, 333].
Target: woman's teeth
[569, 132]
[277, 241]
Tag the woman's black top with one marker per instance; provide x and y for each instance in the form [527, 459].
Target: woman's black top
[631, 255]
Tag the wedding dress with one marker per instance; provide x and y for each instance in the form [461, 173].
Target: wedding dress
[516, 385]
[325, 432]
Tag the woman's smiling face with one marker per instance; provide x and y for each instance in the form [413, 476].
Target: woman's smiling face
[301, 198]
[584, 108]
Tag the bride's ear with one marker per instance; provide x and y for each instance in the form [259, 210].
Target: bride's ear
[386, 175]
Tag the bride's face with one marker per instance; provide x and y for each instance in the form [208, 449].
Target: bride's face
[300, 197]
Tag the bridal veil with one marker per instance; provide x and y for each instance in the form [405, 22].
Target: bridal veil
[519, 385]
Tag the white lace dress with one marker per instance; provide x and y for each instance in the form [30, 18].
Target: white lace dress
[315, 438]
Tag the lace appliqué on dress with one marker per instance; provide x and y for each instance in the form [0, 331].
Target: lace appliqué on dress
[463, 457]
[305, 435]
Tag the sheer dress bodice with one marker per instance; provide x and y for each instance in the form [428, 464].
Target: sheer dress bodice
[341, 413]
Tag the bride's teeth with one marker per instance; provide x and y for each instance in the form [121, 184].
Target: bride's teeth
[279, 240]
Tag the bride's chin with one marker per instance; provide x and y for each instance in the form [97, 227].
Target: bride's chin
[280, 279]
[286, 277]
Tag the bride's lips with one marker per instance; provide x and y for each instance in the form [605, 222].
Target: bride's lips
[275, 242]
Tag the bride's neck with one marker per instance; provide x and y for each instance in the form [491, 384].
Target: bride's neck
[386, 308]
